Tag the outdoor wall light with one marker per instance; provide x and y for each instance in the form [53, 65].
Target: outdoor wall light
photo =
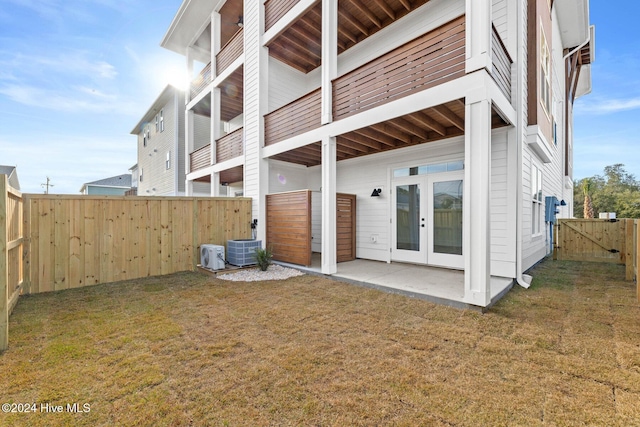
[563, 203]
[240, 23]
[376, 192]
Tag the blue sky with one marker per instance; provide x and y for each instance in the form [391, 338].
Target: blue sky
[77, 75]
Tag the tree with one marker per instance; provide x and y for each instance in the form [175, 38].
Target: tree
[587, 206]
[617, 191]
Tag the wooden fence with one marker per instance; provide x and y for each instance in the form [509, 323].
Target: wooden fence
[600, 240]
[12, 244]
[52, 242]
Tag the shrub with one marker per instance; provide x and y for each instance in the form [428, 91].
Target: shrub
[263, 258]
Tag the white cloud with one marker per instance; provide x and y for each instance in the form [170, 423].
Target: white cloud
[607, 106]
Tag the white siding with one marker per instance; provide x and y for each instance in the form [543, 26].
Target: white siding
[500, 13]
[285, 84]
[201, 131]
[502, 246]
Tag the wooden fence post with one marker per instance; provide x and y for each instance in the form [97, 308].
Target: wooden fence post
[628, 248]
[4, 266]
[637, 258]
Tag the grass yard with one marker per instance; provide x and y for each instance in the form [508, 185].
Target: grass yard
[188, 349]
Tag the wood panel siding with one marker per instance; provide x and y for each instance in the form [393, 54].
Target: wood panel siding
[229, 146]
[288, 226]
[201, 81]
[293, 119]
[201, 158]
[500, 64]
[427, 61]
[346, 227]
[276, 9]
[230, 52]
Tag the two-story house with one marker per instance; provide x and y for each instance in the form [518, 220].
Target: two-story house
[447, 122]
[160, 141]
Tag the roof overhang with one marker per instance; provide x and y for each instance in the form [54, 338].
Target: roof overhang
[168, 92]
[188, 23]
[573, 16]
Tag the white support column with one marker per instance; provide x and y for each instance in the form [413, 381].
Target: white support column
[189, 57]
[216, 123]
[329, 206]
[478, 35]
[188, 147]
[215, 184]
[477, 202]
[216, 26]
[329, 56]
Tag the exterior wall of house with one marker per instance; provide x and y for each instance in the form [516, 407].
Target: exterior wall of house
[95, 190]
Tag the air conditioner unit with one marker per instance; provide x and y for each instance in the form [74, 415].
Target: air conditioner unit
[212, 257]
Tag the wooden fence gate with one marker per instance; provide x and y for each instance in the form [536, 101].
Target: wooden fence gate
[598, 240]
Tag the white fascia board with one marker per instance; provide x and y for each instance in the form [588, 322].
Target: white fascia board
[217, 81]
[228, 164]
[573, 16]
[204, 92]
[584, 81]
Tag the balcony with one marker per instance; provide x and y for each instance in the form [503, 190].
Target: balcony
[293, 119]
[299, 45]
[429, 60]
[230, 51]
[501, 64]
[229, 146]
[201, 81]
[200, 158]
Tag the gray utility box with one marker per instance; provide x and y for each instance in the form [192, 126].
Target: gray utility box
[242, 252]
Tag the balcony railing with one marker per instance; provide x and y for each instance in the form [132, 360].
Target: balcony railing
[200, 82]
[276, 9]
[230, 51]
[429, 60]
[293, 119]
[229, 146]
[501, 64]
[200, 158]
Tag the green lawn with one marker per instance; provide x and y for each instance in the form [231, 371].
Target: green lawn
[188, 349]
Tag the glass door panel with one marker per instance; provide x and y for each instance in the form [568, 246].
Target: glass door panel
[445, 227]
[408, 218]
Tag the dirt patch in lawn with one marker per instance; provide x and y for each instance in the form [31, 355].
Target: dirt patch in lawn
[188, 349]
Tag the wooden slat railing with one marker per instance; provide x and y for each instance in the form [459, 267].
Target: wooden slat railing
[293, 119]
[200, 158]
[230, 51]
[229, 146]
[501, 64]
[276, 9]
[200, 82]
[429, 60]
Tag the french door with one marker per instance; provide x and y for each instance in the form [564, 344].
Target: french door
[427, 219]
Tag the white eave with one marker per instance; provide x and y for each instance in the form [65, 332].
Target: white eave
[187, 24]
[573, 16]
[164, 97]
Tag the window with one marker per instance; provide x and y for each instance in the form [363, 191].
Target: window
[140, 177]
[536, 200]
[167, 162]
[545, 74]
[161, 120]
[157, 123]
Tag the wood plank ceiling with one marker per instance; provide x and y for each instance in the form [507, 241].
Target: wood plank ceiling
[231, 98]
[432, 124]
[300, 45]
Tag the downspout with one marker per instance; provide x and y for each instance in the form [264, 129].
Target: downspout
[580, 46]
[523, 280]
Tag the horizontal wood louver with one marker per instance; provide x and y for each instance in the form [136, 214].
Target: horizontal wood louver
[230, 52]
[293, 119]
[288, 228]
[346, 227]
[200, 158]
[501, 64]
[427, 61]
[276, 9]
[229, 146]
[201, 81]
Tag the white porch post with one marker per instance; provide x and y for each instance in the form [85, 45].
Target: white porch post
[477, 206]
[478, 35]
[329, 216]
[188, 135]
[329, 56]
[215, 184]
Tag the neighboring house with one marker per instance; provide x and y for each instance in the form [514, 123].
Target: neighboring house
[12, 176]
[160, 170]
[134, 181]
[114, 186]
[459, 105]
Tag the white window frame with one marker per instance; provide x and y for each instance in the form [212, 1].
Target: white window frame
[162, 120]
[141, 176]
[167, 162]
[545, 73]
[537, 205]
[157, 127]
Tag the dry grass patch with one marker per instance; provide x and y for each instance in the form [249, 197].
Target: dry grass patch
[188, 349]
